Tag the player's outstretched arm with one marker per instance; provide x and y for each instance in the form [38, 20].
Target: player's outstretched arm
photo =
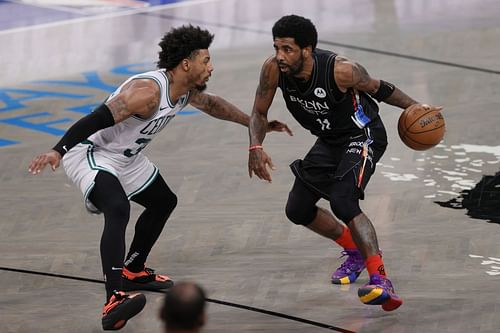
[139, 97]
[220, 108]
[217, 107]
[258, 160]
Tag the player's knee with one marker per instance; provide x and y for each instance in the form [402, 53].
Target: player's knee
[345, 210]
[299, 214]
[344, 202]
[169, 204]
[160, 203]
[118, 210]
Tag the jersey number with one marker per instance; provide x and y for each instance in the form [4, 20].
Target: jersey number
[325, 124]
[142, 142]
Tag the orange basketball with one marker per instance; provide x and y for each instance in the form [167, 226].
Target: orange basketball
[420, 128]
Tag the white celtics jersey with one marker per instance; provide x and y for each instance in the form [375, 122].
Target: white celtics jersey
[127, 138]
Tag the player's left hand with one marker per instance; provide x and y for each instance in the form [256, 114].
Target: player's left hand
[278, 126]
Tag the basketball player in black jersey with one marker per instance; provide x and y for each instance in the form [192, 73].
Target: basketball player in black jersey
[334, 98]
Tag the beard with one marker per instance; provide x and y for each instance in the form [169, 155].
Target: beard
[296, 68]
[201, 87]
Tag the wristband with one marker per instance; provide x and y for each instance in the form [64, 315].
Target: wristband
[384, 91]
[255, 147]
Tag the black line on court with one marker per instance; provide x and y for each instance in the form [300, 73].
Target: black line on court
[211, 300]
[347, 46]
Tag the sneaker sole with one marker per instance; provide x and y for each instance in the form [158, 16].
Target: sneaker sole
[392, 304]
[128, 285]
[346, 279]
[116, 320]
[377, 296]
[372, 296]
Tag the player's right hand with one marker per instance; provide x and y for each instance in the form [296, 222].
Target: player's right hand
[38, 163]
[258, 163]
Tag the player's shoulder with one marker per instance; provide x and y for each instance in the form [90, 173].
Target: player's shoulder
[270, 69]
[270, 63]
[344, 65]
[341, 59]
[144, 84]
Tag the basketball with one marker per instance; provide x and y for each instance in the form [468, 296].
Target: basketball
[421, 127]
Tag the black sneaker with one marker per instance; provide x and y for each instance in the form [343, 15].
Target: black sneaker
[120, 308]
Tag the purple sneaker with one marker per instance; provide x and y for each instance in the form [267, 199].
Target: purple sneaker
[379, 291]
[350, 269]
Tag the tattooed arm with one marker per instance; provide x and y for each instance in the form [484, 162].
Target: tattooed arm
[218, 107]
[258, 160]
[264, 95]
[348, 74]
[138, 97]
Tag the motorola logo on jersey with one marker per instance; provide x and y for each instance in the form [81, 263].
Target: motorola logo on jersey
[313, 107]
[320, 92]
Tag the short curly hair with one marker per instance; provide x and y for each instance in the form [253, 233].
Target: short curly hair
[297, 27]
[181, 43]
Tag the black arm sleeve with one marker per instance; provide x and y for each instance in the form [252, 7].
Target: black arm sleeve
[100, 118]
[385, 90]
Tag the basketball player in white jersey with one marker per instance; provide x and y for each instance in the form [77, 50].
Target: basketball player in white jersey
[101, 154]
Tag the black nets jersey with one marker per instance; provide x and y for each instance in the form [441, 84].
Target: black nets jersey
[319, 105]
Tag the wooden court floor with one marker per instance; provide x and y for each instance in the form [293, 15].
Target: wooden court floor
[229, 232]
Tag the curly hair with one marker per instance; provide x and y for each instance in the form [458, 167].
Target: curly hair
[181, 43]
[297, 27]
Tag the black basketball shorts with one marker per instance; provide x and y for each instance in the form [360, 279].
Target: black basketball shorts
[325, 164]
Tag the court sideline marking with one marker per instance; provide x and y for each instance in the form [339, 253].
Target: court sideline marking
[211, 300]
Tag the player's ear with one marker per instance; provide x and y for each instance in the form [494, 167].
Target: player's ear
[307, 51]
[185, 64]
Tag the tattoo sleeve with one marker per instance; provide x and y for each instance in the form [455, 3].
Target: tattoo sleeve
[264, 95]
[257, 128]
[360, 76]
[364, 82]
[153, 104]
[263, 87]
[218, 107]
[118, 108]
[139, 98]
[399, 99]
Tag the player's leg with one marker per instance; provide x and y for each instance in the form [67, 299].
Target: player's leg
[159, 202]
[109, 197]
[353, 175]
[316, 173]
[301, 209]
[379, 290]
